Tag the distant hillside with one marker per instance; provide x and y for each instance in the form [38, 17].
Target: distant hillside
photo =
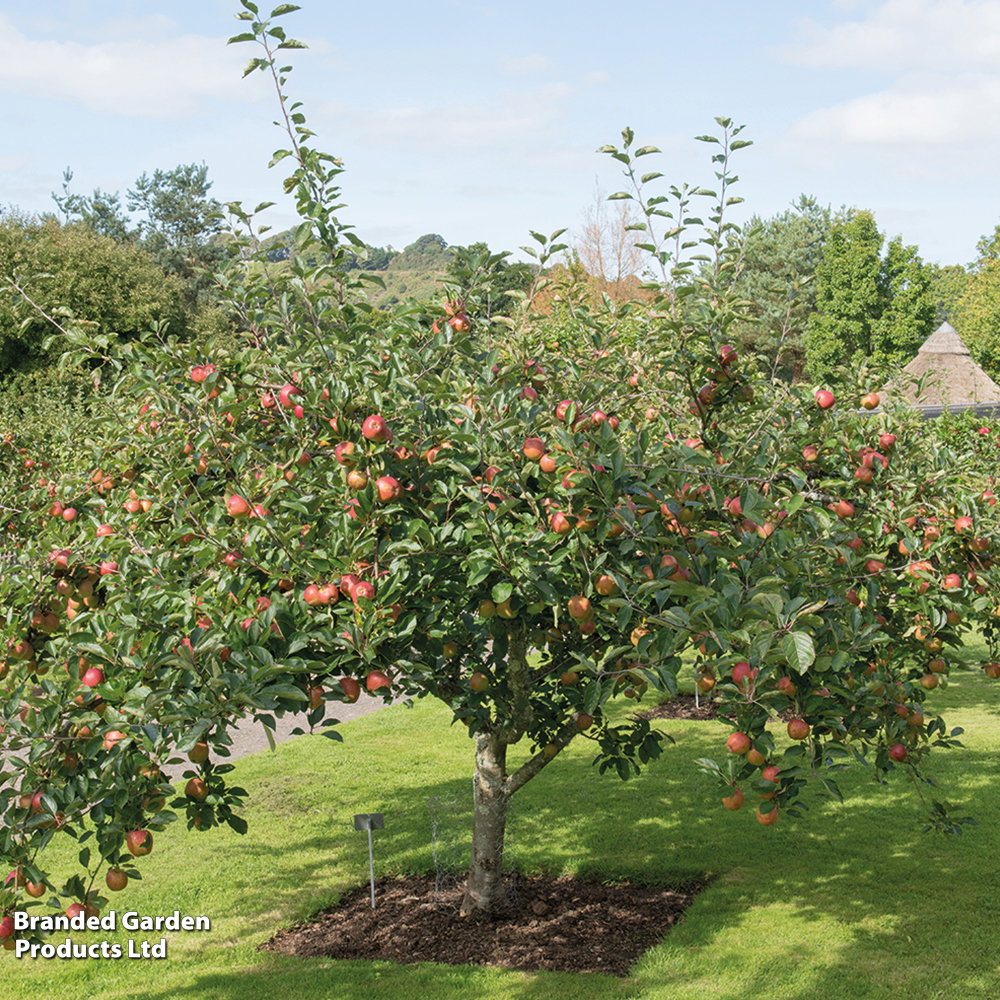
[412, 273]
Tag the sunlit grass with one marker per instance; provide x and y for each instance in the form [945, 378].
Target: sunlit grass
[850, 903]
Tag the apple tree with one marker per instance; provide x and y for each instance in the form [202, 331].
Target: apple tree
[363, 504]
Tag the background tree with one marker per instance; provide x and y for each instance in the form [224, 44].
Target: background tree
[606, 246]
[72, 273]
[949, 283]
[867, 306]
[780, 257]
[177, 222]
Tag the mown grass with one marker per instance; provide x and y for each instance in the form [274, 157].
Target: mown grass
[851, 903]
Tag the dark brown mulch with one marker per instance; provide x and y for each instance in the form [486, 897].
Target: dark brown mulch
[682, 706]
[554, 924]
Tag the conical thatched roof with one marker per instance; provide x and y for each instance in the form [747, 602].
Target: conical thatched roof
[953, 378]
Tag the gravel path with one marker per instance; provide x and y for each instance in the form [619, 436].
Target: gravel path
[248, 736]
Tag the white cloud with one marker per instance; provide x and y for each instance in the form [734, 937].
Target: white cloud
[141, 69]
[597, 76]
[945, 59]
[525, 64]
[926, 108]
[518, 117]
[907, 35]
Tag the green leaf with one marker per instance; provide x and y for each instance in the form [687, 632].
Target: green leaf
[285, 8]
[620, 196]
[247, 36]
[645, 151]
[501, 591]
[799, 651]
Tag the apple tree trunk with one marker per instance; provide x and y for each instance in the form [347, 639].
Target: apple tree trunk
[491, 794]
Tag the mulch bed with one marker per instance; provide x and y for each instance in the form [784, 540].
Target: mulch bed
[555, 924]
[682, 706]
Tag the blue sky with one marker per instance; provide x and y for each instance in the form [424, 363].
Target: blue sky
[481, 121]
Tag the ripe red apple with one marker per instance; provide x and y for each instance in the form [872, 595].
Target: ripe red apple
[843, 509]
[824, 399]
[356, 479]
[810, 453]
[140, 842]
[963, 524]
[733, 801]
[580, 607]
[897, 752]
[568, 678]
[743, 676]
[584, 721]
[533, 448]
[605, 585]
[35, 889]
[738, 743]
[767, 818]
[870, 402]
[112, 737]
[787, 686]
[376, 429]
[798, 729]
[560, 523]
[951, 582]
[109, 568]
[562, 409]
[377, 679]
[344, 453]
[362, 589]
[236, 506]
[116, 879]
[92, 677]
[312, 595]
[351, 689]
[388, 488]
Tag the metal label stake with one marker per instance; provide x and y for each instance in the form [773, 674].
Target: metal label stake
[369, 822]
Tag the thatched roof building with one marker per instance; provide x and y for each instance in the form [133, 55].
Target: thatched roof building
[953, 379]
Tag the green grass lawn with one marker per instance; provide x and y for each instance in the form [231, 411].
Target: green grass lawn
[853, 902]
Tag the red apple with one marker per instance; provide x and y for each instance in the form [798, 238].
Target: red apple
[897, 752]
[533, 448]
[733, 801]
[92, 677]
[824, 399]
[798, 729]
[351, 689]
[197, 789]
[116, 879]
[376, 429]
[236, 506]
[377, 679]
[738, 743]
[140, 842]
[388, 488]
